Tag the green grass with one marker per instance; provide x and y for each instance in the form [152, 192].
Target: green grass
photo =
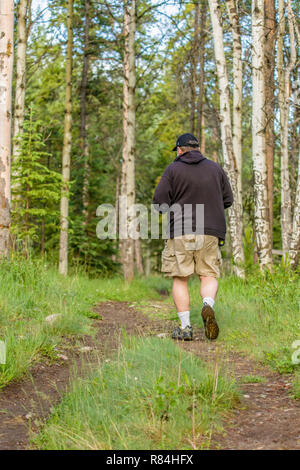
[152, 395]
[259, 316]
[252, 379]
[296, 386]
[138, 290]
[29, 292]
[32, 290]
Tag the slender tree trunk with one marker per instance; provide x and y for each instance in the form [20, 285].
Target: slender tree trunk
[255, 253]
[6, 66]
[202, 138]
[216, 132]
[114, 257]
[83, 115]
[194, 63]
[237, 91]
[294, 247]
[261, 206]
[283, 98]
[294, 125]
[235, 211]
[66, 154]
[19, 105]
[148, 259]
[270, 29]
[200, 104]
[20, 89]
[295, 239]
[128, 172]
[122, 241]
[295, 144]
[138, 257]
[43, 237]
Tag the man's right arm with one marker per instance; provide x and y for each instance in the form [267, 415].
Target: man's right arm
[163, 191]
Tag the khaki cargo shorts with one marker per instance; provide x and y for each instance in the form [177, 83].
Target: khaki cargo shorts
[189, 254]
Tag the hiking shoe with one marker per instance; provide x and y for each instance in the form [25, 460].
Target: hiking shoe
[185, 334]
[210, 322]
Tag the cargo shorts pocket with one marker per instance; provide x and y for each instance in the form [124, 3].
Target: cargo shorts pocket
[168, 260]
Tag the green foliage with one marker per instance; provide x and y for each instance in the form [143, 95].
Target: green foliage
[36, 189]
[87, 251]
[164, 50]
[248, 243]
[280, 360]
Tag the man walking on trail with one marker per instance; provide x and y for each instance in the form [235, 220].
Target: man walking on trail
[189, 182]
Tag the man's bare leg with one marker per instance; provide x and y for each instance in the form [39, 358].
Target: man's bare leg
[180, 293]
[182, 302]
[209, 287]
[208, 291]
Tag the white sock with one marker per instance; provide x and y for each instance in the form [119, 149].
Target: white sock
[208, 301]
[184, 317]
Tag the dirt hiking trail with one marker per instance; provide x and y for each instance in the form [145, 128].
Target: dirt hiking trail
[267, 418]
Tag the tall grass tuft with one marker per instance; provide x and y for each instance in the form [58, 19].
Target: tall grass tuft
[152, 395]
[29, 292]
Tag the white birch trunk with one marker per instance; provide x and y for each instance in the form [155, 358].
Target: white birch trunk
[237, 91]
[19, 105]
[201, 76]
[261, 207]
[128, 165]
[6, 66]
[283, 98]
[66, 154]
[230, 164]
[295, 236]
[295, 239]
[270, 32]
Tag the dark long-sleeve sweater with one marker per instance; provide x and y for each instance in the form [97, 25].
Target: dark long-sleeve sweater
[193, 179]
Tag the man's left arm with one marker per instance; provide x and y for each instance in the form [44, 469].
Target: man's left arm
[227, 191]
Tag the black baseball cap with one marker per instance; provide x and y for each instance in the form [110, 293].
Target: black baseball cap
[186, 140]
